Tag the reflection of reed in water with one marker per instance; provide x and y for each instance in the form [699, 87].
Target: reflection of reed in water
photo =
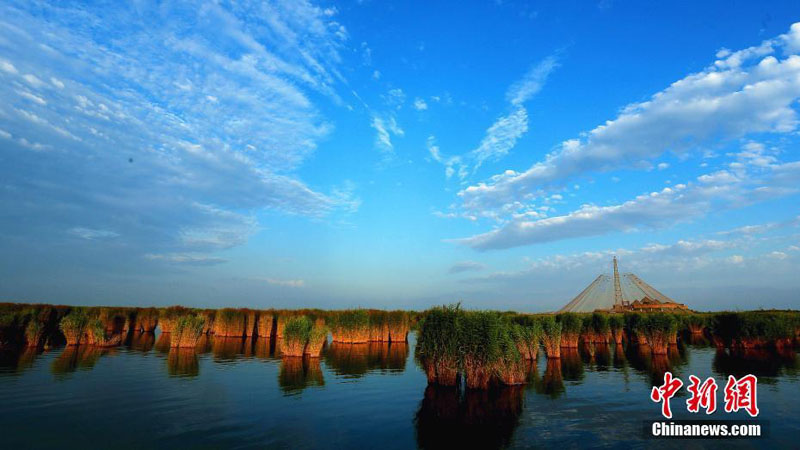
[602, 356]
[571, 364]
[760, 362]
[653, 365]
[183, 362]
[298, 373]
[264, 348]
[552, 383]
[163, 343]
[77, 357]
[356, 360]
[203, 344]
[476, 418]
[227, 348]
[620, 360]
[142, 342]
[696, 340]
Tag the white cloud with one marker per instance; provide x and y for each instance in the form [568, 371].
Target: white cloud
[778, 255]
[530, 84]
[663, 166]
[747, 92]
[183, 175]
[7, 67]
[385, 128]
[501, 137]
[671, 205]
[420, 105]
[736, 259]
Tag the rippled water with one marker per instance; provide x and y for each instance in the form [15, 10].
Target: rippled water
[237, 393]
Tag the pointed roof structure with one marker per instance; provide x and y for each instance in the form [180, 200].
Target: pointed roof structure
[619, 292]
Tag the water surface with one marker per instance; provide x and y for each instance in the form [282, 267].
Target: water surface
[237, 393]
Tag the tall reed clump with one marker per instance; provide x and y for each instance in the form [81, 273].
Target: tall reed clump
[97, 335]
[601, 327]
[113, 319]
[527, 333]
[229, 322]
[147, 320]
[571, 326]
[187, 331]
[510, 367]
[438, 344]
[317, 338]
[753, 329]
[209, 316]
[351, 326]
[480, 345]
[265, 322]
[551, 336]
[633, 324]
[695, 323]
[295, 336]
[399, 324]
[616, 322]
[479, 337]
[657, 327]
[378, 326]
[250, 322]
[168, 317]
[73, 325]
[281, 317]
[34, 333]
[587, 332]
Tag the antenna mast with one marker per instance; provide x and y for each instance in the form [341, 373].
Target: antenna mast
[617, 288]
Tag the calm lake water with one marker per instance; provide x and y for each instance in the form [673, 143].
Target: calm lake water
[237, 393]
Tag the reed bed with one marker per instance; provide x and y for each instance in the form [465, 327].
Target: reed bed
[295, 336]
[209, 316]
[601, 328]
[634, 327]
[571, 326]
[317, 339]
[378, 326]
[528, 334]
[187, 331]
[146, 320]
[551, 337]
[399, 323]
[73, 325]
[250, 322]
[657, 328]
[97, 335]
[616, 323]
[480, 346]
[265, 324]
[350, 326]
[755, 329]
[230, 322]
[168, 317]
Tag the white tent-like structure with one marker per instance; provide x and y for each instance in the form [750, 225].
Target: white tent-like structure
[619, 293]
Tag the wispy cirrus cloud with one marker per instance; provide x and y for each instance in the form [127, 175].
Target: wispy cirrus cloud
[172, 128]
[745, 92]
[502, 136]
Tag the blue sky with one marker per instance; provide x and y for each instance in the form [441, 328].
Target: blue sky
[398, 154]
